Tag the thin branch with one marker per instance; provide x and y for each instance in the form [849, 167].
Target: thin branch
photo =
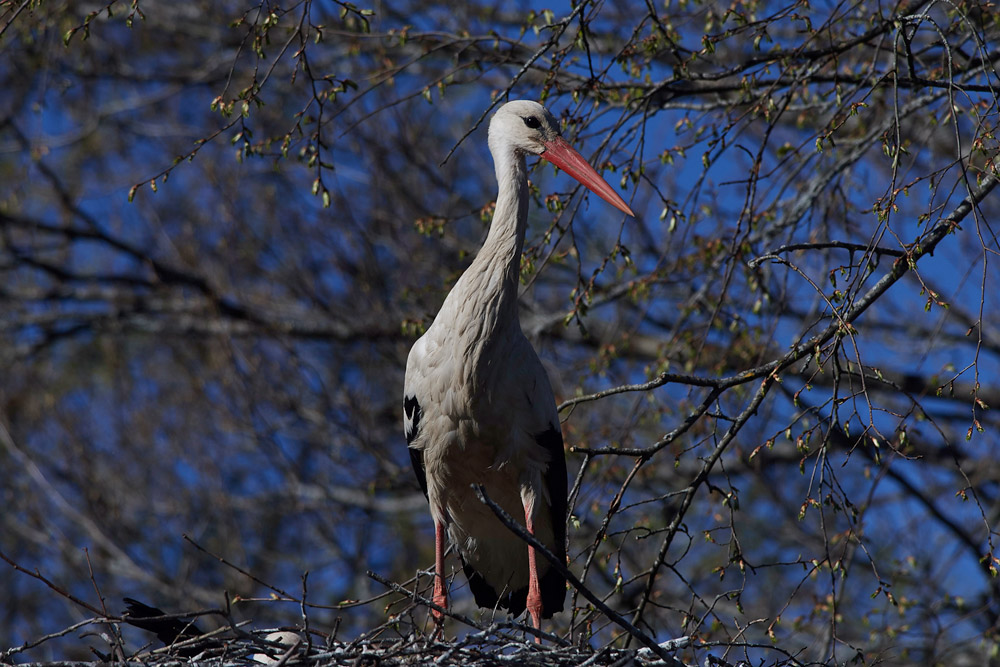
[561, 568]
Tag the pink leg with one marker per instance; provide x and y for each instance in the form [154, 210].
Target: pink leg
[440, 593]
[534, 602]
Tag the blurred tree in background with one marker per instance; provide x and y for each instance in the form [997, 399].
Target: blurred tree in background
[222, 227]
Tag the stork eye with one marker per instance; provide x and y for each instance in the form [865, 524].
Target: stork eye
[532, 122]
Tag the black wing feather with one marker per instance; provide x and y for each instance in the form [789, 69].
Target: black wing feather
[167, 630]
[413, 413]
[417, 460]
[487, 597]
[553, 584]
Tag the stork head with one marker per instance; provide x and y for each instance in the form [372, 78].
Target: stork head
[528, 127]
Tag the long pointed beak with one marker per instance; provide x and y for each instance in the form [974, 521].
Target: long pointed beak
[564, 156]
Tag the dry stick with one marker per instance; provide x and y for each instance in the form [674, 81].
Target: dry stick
[837, 245]
[189, 619]
[305, 613]
[396, 588]
[717, 385]
[658, 381]
[194, 641]
[286, 597]
[118, 647]
[561, 568]
[6, 653]
[608, 516]
[66, 594]
[289, 653]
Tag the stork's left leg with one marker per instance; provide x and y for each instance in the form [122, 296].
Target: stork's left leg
[534, 601]
[440, 591]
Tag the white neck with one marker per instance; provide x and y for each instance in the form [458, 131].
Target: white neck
[500, 256]
[482, 307]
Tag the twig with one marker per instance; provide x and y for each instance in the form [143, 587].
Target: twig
[285, 596]
[6, 653]
[194, 641]
[841, 245]
[396, 588]
[561, 568]
[562, 24]
[61, 591]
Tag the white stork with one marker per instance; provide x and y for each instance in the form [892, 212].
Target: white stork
[477, 404]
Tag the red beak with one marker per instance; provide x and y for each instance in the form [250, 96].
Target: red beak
[564, 156]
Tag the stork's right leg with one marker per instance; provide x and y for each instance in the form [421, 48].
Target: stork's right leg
[534, 600]
[440, 593]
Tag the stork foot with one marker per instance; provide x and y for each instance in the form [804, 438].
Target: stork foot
[535, 611]
[441, 600]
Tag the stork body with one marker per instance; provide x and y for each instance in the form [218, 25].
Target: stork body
[478, 407]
